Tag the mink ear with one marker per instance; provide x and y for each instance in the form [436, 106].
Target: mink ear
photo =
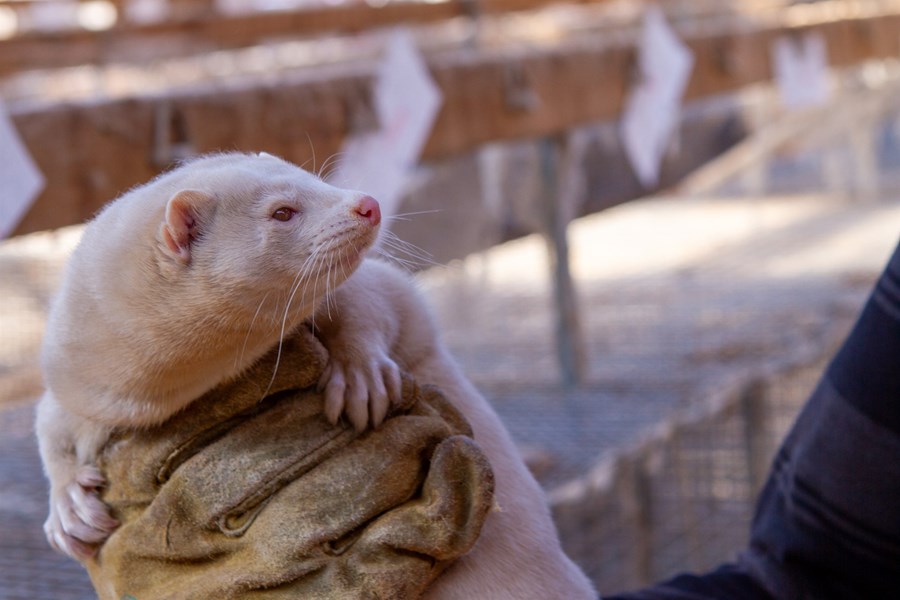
[186, 212]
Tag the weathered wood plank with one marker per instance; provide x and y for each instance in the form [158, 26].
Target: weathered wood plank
[213, 31]
[93, 151]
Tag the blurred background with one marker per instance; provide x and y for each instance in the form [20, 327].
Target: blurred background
[644, 228]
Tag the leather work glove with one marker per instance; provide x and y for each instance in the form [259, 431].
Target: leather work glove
[237, 497]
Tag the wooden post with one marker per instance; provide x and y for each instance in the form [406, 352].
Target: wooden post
[556, 168]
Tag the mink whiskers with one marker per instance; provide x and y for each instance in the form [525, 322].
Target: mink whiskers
[331, 165]
[405, 254]
[302, 278]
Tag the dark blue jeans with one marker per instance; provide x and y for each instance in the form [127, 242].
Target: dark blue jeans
[827, 525]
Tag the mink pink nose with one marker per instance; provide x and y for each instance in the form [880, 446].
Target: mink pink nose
[368, 209]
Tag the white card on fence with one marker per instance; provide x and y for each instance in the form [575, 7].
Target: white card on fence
[20, 179]
[653, 105]
[800, 64]
[406, 101]
[366, 167]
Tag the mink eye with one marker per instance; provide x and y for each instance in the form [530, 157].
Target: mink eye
[284, 213]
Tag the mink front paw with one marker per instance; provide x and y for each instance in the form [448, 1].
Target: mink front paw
[362, 387]
[79, 521]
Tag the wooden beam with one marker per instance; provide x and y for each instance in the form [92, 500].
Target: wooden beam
[92, 151]
[581, 82]
[812, 127]
[192, 34]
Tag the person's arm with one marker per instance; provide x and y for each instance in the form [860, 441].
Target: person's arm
[828, 521]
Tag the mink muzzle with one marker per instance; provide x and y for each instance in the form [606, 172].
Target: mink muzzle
[236, 497]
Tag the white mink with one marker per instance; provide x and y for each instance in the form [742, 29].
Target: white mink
[221, 285]
[179, 285]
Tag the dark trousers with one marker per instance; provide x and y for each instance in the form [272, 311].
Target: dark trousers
[827, 525]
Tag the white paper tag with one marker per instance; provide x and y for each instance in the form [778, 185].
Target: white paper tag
[652, 108]
[20, 179]
[406, 102]
[800, 64]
